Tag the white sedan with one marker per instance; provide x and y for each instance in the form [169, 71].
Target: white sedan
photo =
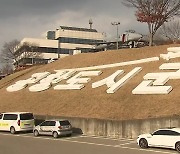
[164, 138]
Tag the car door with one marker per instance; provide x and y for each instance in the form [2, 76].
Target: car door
[157, 139]
[170, 138]
[1, 116]
[52, 125]
[8, 121]
[44, 128]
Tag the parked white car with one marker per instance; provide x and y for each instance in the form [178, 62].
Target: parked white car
[16, 121]
[164, 138]
[54, 128]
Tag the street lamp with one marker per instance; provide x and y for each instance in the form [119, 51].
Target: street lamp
[116, 24]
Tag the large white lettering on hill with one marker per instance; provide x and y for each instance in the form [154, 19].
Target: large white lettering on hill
[154, 83]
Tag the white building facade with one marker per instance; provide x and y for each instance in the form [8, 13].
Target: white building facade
[59, 43]
[71, 38]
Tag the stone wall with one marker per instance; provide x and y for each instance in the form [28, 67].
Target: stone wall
[117, 129]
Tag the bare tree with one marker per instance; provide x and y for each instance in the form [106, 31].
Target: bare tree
[154, 12]
[13, 50]
[7, 55]
[171, 31]
[7, 69]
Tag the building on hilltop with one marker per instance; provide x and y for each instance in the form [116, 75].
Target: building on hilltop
[34, 51]
[71, 38]
[58, 44]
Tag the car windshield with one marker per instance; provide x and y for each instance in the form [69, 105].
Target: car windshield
[64, 122]
[26, 116]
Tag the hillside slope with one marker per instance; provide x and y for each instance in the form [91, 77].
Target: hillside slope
[96, 103]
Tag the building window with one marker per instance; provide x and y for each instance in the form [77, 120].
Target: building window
[78, 40]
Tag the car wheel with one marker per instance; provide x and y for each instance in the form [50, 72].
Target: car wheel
[12, 130]
[36, 133]
[55, 135]
[177, 146]
[143, 143]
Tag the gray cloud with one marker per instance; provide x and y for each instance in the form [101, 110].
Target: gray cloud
[32, 18]
[9, 8]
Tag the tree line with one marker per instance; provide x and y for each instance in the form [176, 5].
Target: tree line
[154, 13]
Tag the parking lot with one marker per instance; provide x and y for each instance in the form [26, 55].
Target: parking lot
[76, 144]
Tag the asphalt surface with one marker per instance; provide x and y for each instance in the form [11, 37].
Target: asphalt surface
[28, 144]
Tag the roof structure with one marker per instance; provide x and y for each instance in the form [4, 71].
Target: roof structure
[78, 29]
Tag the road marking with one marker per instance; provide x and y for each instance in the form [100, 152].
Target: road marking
[53, 139]
[108, 138]
[74, 137]
[148, 150]
[128, 143]
[89, 143]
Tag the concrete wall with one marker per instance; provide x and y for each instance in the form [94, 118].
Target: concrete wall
[117, 129]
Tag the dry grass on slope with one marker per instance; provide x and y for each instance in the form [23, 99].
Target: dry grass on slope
[96, 103]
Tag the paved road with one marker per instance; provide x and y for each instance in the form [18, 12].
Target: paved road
[27, 144]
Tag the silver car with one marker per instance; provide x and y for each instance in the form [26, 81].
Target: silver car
[54, 128]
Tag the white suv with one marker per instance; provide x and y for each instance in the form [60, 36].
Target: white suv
[16, 121]
[54, 128]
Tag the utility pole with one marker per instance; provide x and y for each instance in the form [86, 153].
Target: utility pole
[116, 24]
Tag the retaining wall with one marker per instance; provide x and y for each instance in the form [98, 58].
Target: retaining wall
[114, 128]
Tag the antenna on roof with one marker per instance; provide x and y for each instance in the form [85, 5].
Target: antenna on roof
[90, 23]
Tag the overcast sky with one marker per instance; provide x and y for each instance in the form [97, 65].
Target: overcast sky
[33, 18]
